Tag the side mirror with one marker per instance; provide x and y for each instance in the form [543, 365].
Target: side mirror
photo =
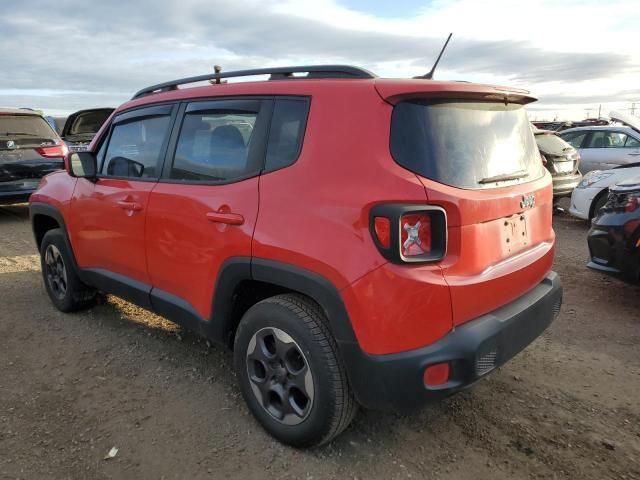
[82, 165]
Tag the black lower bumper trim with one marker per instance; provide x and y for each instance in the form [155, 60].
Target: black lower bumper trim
[394, 382]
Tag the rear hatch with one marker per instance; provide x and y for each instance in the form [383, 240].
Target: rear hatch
[473, 149]
[29, 149]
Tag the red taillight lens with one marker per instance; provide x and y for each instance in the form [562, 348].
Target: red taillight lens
[409, 233]
[437, 374]
[382, 228]
[53, 151]
[415, 234]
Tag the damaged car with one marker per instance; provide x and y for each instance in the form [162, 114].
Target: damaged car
[29, 149]
[614, 238]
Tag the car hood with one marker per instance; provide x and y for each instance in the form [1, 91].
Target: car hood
[629, 120]
[632, 183]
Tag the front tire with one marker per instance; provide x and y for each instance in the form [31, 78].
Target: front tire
[65, 289]
[290, 373]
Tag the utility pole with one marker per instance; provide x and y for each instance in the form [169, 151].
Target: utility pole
[599, 110]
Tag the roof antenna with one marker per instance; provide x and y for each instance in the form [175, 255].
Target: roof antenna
[429, 76]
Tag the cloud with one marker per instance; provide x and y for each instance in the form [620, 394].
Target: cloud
[116, 48]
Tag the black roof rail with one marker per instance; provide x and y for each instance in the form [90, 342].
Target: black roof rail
[312, 71]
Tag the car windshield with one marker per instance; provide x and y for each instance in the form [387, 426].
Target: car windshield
[88, 122]
[552, 144]
[469, 145]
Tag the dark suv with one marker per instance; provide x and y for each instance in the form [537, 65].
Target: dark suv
[354, 240]
[29, 149]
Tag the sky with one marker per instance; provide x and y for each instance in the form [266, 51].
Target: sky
[573, 55]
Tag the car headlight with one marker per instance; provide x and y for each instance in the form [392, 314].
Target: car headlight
[593, 177]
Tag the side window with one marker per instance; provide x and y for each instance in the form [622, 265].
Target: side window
[287, 131]
[575, 139]
[214, 145]
[632, 143]
[135, 147]
[605, 139]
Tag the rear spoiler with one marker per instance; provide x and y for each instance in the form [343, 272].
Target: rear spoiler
[394, 91]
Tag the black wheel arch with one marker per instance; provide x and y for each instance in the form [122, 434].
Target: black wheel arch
[594, 202]
[279, 277]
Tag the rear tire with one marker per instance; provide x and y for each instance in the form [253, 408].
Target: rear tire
[290, 373]
[64, 287]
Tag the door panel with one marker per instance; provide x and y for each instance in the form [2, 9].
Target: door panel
[109, 225]
[204, 209]
[192, 230]
[109, 215]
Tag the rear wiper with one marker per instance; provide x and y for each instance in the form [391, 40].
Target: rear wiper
[505, 176]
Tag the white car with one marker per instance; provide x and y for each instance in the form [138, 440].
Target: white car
[591, 193]
[604, 147]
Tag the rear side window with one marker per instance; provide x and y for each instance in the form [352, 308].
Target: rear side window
[606, 139]
[135, 147]
[214, 145]
[574, 139]
[286, 134]
[469, 145]
[632, 143]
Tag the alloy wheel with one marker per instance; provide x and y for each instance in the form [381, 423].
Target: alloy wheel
[280, 376]
[55, 271]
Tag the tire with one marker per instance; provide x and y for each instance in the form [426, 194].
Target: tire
[61, 282]
[290, 373]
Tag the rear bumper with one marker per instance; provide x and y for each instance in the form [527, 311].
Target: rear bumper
[563, 185]
[15, 196]
[394, 382]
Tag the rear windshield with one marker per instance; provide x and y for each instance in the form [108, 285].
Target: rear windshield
[468, 145]
[18, 126]
[552, 144]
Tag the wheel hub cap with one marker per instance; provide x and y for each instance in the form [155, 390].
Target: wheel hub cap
[280, 377]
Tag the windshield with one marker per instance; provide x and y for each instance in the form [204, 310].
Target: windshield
[25, 126]
[552, 144]
[465, 144]
[88, 123]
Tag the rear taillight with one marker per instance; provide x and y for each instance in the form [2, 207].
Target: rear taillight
[53, 151]
[382, 229]
[409, 233]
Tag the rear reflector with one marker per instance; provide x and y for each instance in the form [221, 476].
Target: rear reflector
[54, 151]
[415, 234]
[437, 374]
[382, 227]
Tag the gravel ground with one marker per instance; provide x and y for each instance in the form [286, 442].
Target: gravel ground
[74, 386]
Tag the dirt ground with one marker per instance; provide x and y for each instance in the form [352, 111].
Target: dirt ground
[74, 386]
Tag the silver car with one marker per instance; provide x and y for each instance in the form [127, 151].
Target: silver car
[609, 146]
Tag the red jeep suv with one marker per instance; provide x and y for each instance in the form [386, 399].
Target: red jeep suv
[354, 240]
